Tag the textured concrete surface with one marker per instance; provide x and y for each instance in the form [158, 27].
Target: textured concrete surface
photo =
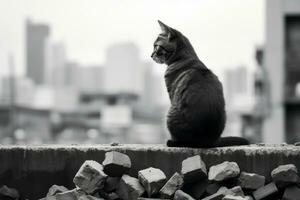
[34, 169]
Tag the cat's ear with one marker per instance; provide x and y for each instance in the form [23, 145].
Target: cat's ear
[166, 29]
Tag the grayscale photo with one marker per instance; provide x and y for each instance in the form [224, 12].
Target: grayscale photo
[149, 100]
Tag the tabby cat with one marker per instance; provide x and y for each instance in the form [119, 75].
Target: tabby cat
[197, 114]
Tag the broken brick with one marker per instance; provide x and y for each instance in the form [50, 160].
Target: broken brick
[215, 196]
[152, 179]
[285, 175]
[173, 184]
[193, 169]
[180, 195]
[232, 197]
[251, 181]
[223, 171]
[67, 195]
[291, 193]
[90, 176]
[9, 192]
[116, 164]
[129, 188]
[54, 189]
[237, 191]
[267, 192]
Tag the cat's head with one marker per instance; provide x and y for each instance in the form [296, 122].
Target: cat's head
[168, 44]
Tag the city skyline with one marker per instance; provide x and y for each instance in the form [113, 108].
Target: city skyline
[88, 30]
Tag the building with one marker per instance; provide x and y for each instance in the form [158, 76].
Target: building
[239, 101]
[90, 79]
[282, 60]
[36, 35]
[235, 84]
[123, 69]
[24, 90]
[56, 60]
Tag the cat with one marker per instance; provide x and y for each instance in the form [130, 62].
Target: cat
[197, 114]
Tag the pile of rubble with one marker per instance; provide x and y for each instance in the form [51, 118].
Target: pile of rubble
[225, 181]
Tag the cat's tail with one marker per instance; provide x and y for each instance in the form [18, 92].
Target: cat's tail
[231, 141]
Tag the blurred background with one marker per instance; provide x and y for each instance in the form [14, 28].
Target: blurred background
[80, 71]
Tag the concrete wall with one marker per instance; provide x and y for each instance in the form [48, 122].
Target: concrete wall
[32, 170]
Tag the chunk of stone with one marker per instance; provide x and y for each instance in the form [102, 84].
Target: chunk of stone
[111, 184]
[223, 171]
[9, 192]
[224, 190]
[249, 198]
[267, 192]
[173, 184]
[152, 179]
[74, 194]
[251, 181]
[237, 191]
[232, 197]
[54, 189]
[196, 190]
[291, 193]
[285, 175]
[90, 176]
[193, 169]
[180, 195]
[116, 164]
[129, 188]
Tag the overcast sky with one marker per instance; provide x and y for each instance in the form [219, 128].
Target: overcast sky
[223, 32]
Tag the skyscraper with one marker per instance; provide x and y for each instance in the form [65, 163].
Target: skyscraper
[36, 35]
[124, 69]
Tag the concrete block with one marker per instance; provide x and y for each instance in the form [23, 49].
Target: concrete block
[291, 193]
[152, 179]
[223, 171]
[251, 181]
[129, 188]
[116, 164]
[54, 189]
[231, 197]
[111, 184]
[285, 175]
[173, 184]
[193, 169]
[90, 176]
[180, 195]
[267, 192]
[9, 192]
